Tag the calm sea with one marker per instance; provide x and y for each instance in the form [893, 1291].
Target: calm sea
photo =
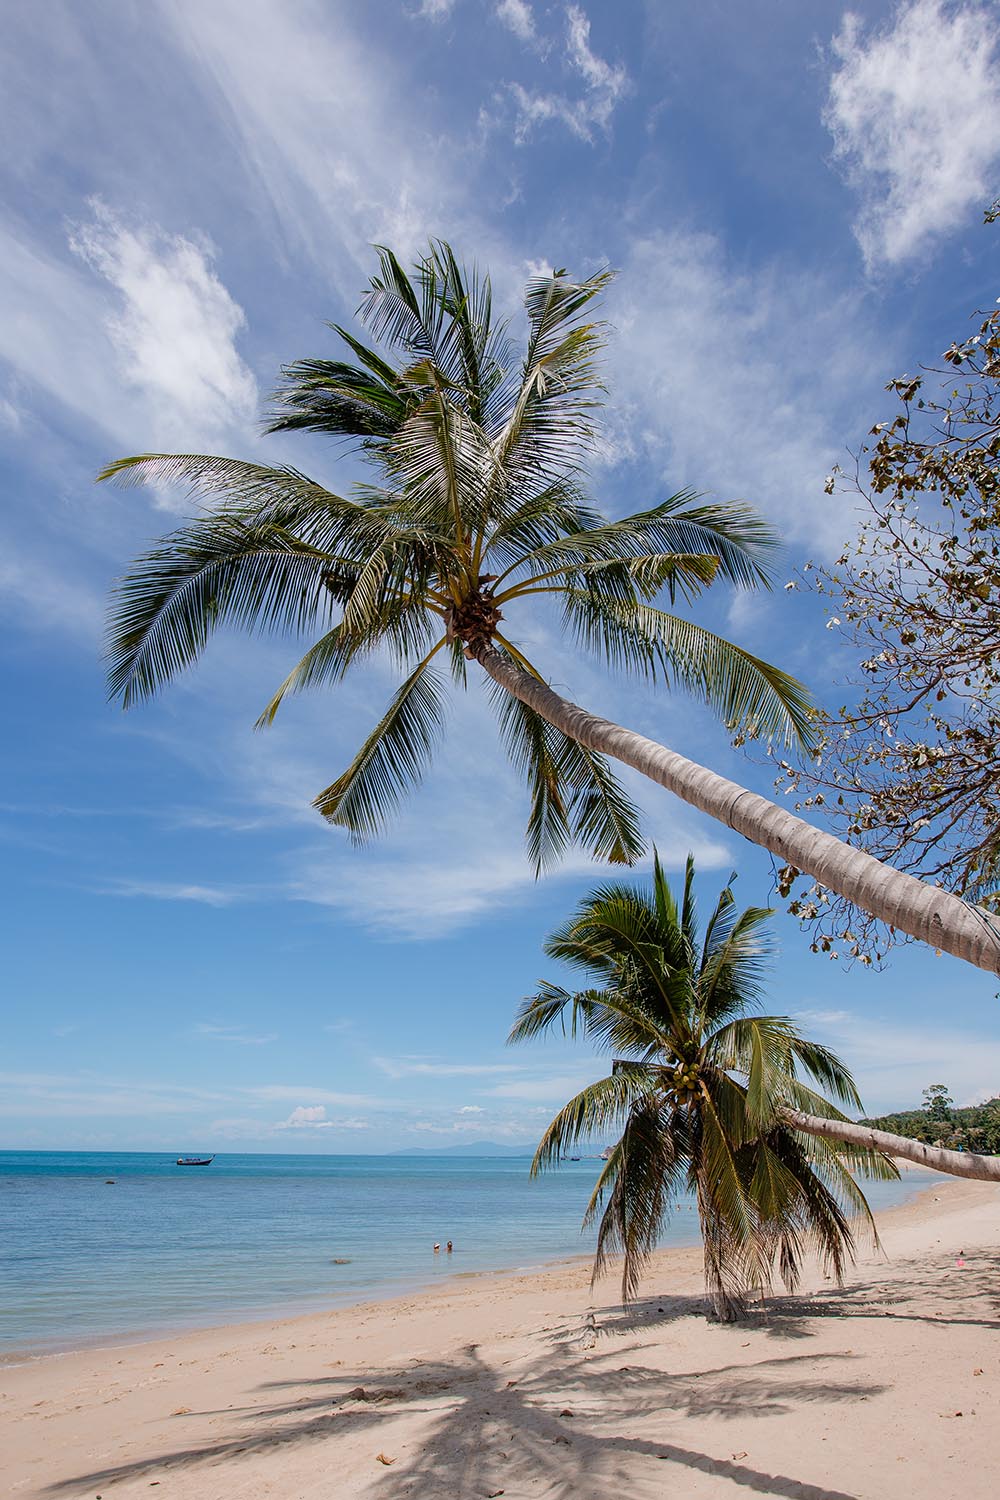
[85, 1260]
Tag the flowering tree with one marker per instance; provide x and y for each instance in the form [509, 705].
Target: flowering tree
[910, 771]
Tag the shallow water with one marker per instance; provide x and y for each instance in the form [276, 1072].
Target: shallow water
[165, 1247]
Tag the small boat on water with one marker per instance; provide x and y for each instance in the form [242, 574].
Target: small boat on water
[195, 1161]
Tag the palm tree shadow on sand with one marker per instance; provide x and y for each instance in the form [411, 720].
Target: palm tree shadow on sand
[574, 1420]
[550, 1425]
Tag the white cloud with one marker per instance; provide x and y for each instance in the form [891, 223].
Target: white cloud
[914, 110]
[234, 1034]
[140, 340]
[173, 326]
[165, 890]
[605, 81]
[604, 86]
[415, 1067]
[471, 1109]
[51, 332]
[517, 16]
[436, 10]
[306, 1117]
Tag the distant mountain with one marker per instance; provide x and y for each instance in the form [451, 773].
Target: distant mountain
[467, 1148]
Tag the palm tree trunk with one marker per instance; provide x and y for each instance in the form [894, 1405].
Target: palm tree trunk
[955, 1163]
[901, 901]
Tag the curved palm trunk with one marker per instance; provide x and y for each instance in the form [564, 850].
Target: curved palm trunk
[900, 900]
[955, 1163]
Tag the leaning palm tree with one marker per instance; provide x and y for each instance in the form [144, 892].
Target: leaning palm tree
[699, 1084]
[477, 510]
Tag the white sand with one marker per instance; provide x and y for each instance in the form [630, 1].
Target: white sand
[498, 1386]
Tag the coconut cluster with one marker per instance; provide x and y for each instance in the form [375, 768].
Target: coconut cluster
[684, 1079]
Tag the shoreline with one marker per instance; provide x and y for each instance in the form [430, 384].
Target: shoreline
[15, 1359]
[320, 1306]
[531, 1385]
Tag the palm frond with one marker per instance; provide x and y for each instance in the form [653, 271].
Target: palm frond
[737, 960]
[752, 697]
[219, 570]
[405, 627]
[551, 424]
[276, 492]
[391, 760]
[595, 1110]
[532, 746]
[322, 395]
[639, 1181]
[734, 534]
[539, 1013]
[575, 795]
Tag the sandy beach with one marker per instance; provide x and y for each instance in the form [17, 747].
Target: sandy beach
[533, 1386]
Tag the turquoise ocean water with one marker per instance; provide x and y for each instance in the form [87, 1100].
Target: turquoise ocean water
[167, 1247]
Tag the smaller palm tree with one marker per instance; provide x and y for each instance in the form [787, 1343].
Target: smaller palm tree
[698, 1085]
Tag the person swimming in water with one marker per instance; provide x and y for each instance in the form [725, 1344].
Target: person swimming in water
[448, 1247]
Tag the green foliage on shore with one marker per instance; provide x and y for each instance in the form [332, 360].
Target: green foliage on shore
[976, 1128]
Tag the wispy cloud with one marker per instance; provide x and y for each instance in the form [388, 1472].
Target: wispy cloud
[49, 598]
[407, 1067]
[435, 10]
[28, 1096]
[518, 17]
[603, 84]
[914, 110]
[549, 1087]
[235, 1034]
[166, 890]
[327, 132]
[773, 438]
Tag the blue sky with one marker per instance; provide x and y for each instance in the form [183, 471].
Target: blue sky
[793, 198]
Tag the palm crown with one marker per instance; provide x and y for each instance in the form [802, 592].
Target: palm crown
[697, 1089]
[477, 507]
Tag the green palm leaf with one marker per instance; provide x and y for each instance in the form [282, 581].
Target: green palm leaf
[392, 758]
[752, 697]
